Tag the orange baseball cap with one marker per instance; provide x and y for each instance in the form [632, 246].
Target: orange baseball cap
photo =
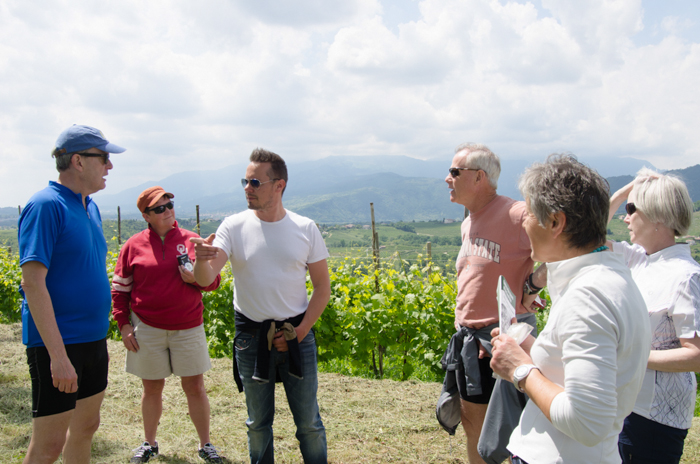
[150, 197]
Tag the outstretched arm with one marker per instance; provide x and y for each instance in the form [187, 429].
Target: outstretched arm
[210, 260]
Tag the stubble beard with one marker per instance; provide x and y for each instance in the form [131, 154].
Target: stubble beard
[258, 206]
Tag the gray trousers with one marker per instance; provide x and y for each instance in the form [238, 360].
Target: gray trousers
[503, 413]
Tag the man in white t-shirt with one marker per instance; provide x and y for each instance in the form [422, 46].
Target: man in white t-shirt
[270, 250]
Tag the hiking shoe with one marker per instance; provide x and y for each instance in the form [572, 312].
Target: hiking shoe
[145, 452]
[210, 454]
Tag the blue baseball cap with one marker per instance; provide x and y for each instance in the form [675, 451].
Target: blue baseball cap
[78, 138]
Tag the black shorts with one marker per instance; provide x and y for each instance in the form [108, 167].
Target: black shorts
[487, 383]
[91, 363]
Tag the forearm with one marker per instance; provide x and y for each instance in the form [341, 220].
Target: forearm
[317, 304]
[683, 359]
[204, 273]
[121, 308]
[320, 279]
[539, 276]
[541, 391]
[211, 287]
[618, 198]
[526, 345]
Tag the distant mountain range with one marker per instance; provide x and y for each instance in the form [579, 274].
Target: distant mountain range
[339, 189]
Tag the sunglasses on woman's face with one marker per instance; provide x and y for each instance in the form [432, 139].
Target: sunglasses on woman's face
[161, 209]
[630, 208]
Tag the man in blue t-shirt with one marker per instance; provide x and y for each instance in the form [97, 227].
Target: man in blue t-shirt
[65, 312]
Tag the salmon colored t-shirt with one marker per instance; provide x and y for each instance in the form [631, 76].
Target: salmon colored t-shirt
[494, 243]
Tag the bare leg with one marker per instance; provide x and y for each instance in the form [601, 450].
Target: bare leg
[472, 420]
[198, 405]
[83, 425]
[152, 407]
[48, 438]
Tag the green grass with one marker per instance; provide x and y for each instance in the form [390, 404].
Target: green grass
[439, 229]
[412, 246]
[369, 421]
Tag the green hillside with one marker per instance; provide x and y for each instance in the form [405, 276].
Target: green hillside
[408, 239]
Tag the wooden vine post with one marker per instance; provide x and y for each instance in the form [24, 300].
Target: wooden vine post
[198, 230]
[378, 370]
[119, 225]
[430, 258]
[375, 250]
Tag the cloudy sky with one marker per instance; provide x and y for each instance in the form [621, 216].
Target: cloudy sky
[188, 85]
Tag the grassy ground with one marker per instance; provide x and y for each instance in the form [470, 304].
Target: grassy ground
[369, 421]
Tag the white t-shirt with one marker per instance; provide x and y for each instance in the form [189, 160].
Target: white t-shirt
[595, 347]
[670, 284]
[268, 260]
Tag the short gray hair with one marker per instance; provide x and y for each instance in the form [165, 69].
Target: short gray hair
[63, 159]
[563, 184]
[664, 199]
[481, 157]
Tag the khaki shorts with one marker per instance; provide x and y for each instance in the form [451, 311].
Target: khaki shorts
[164, 352]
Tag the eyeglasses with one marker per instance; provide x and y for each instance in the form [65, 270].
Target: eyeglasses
[630, 208]
[255, 183]
[104, 156]
[454, 172]
[160, 209]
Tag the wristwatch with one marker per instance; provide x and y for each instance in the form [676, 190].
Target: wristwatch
[521, 372]
[529, 287]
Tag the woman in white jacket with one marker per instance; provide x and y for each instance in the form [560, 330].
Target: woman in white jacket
[584, 371]
[659, 209]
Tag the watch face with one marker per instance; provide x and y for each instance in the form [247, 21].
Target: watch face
[521, 371]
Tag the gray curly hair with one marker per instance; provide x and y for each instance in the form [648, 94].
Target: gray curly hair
[563, 184]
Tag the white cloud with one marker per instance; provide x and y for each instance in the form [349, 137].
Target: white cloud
[188, 85]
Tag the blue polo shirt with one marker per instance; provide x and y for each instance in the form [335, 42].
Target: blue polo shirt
[57, 231]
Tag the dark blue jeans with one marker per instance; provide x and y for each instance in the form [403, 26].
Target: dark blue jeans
[301, 396]
[645, 441]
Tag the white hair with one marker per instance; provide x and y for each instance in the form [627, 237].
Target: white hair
[480, 157]
[664, 199]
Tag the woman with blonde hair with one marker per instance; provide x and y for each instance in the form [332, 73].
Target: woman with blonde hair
[659, 209]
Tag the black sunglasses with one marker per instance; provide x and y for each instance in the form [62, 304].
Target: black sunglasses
[161, 209]
[454, 172]
[630, 208]
[104, 156]
[255, 183]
